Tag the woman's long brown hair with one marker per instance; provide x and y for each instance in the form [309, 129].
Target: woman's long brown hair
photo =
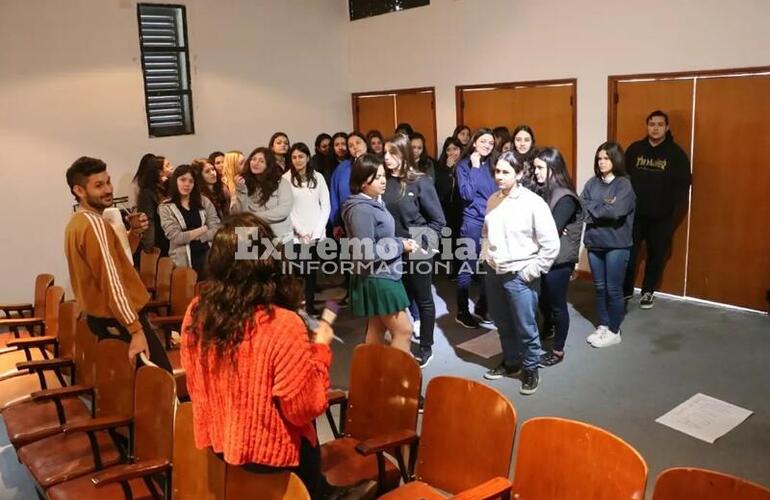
[238, 286]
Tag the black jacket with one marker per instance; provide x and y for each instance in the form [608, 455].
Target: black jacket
[418, 206]
[660, 176]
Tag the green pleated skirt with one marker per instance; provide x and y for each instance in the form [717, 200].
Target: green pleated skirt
[376, 296]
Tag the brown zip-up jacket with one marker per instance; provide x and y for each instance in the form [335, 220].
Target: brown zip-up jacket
[104, 280]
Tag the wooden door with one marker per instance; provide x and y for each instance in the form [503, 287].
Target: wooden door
[375, 112]
[634, 101]
[417, 109]
[547, 107]
[728, 249]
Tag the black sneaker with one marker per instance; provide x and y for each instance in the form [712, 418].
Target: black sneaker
[482, 316]
[550, 358]
[467, 320]
[424, 355]
[647, 300]
[501, 371]
[530, 381]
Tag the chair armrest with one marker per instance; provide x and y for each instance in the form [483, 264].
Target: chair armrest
[32, 341]
[127, 472]
[167, 321]
[157, 304]
[62, 392]
[386, 442]
[17, 322]
[97, 424]
[488, 490]
[336, 397]
[9, 308]
[45, 364]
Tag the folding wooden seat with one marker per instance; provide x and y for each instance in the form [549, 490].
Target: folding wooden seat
[465, 447]
[163, 280]
[148, 267]
[87, 445]
[153, 431]
[183, 280]
[689, 482]
[565, 459]
[34, 308]
[46, 323]
[381, 403]
[36, 416]
[201, 475]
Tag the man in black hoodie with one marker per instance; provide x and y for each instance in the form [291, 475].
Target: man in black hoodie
[660, 174]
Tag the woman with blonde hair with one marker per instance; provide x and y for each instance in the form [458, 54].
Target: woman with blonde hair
[233, 166]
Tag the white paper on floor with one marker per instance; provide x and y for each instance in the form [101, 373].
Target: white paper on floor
[704, 417]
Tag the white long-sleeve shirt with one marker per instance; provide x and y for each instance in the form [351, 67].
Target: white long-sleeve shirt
[519, 234]
[311, 208]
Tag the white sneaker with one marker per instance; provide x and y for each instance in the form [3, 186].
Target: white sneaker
[607, 339]
[416, 331]
[597, 333]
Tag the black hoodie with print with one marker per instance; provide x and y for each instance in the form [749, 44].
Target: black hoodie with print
[660, 176]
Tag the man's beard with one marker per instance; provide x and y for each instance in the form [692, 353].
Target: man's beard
[96, 202]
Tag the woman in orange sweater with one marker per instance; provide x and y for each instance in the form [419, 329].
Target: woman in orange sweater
[256, 378]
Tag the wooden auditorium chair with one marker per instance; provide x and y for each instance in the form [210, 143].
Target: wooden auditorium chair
[465, 446]
[566, 459]
[183, 280]
[84, 446]
[24, 329]
[34, 308]
[148, 267]
[162, 292]
[38, 416]
[153, 437]
[201, 475]
[380, 405]
[689, 482]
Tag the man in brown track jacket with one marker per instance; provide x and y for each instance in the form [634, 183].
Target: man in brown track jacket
[104, 281]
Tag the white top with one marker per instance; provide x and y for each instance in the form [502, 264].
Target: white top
[311, 208]
[519, 234]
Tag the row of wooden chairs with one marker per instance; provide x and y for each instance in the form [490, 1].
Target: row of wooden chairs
[466, 445]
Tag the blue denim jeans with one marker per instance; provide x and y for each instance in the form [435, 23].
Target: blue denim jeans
[513, 306]
[608, 267]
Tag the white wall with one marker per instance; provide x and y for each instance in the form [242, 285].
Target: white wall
[71, 84]
[461, 42]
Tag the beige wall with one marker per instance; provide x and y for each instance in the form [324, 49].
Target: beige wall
[70, 84]
[461, 42]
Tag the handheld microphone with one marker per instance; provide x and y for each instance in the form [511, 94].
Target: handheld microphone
[329, 315]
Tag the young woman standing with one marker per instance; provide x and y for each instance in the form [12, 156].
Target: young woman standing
[376, 291]
[262, 191]
[555, 187]
[411, 199]
[339, 191]
[212, 186]
[463, 134]
[189, 221]
[376, 142]
[309, 215]
[279, 144]
[524, 149]
[520, 244]
[446, 188]
[609, 204]
[475, 183]
[424, 162]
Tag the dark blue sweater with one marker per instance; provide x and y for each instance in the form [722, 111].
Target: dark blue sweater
[339, 191]
[608, 210]
[417, 207]
[475, 185]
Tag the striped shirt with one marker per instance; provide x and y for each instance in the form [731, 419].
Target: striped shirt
[104, 280]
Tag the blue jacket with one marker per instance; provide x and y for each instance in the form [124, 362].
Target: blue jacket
[368, 223]
[608, 225]
[339, 191]
[475, 185]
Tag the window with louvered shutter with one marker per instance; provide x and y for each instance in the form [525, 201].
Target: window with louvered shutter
[166, 69]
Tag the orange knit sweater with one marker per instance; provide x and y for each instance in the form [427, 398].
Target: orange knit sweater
[257, 409]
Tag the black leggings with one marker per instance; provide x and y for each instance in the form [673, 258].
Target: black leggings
[419, 289]
[553, 302]
[110, 328]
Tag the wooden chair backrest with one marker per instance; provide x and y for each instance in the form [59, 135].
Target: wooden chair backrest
[85, 353]
[42, 283]
[54, 296]
[114, 381]
[163, 279]
[467, 436]
[196, 474]
[688, 482]
[154, 405]
[591, 462]
[183, 281]
[384, 391]
[148, 266]
[201, 475]
[69, 313]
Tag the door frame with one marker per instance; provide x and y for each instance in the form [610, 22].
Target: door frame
[459, 104]
[414, 90]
